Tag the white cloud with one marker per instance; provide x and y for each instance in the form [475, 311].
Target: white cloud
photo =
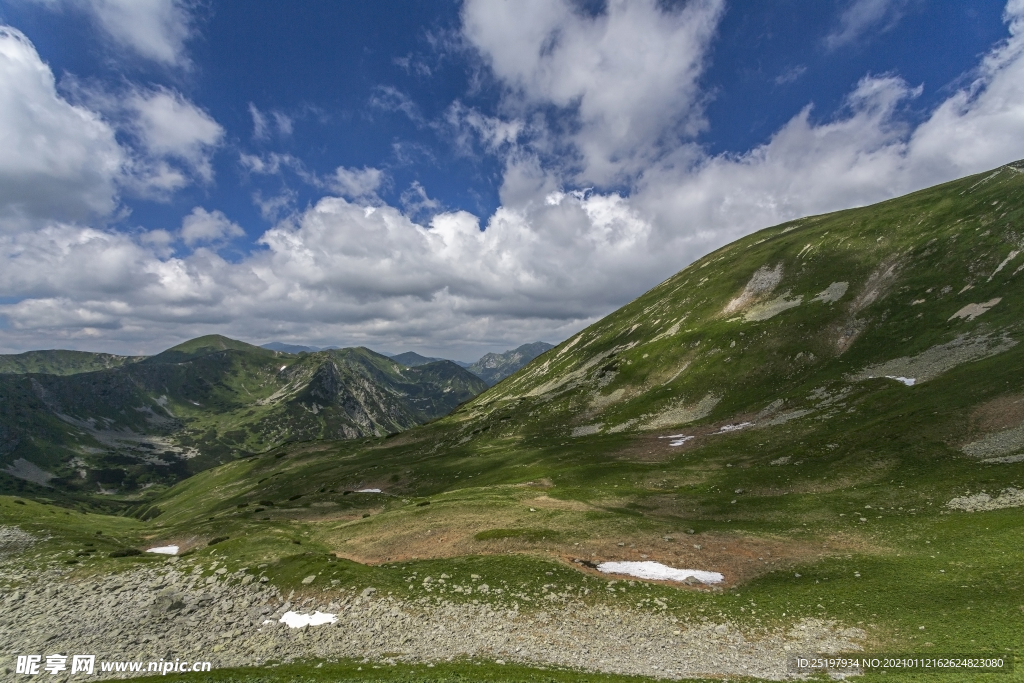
[861, 16]
[260, 127]
[170, 126]
[791, 75]
[388, 98]
[206, 226]
[284, 123]
[356, 182]
[58, 160]
[628, 77]
[418, 204]
[154, 29]
[261, 123]
[356, 271]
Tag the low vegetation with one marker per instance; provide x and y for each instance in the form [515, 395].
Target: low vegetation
[804, 411]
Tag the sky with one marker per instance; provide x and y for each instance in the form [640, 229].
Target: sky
[452, 177]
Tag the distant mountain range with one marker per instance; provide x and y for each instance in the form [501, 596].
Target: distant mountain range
[59, 362]
[491, 368]
[98, 422]
[494, 367]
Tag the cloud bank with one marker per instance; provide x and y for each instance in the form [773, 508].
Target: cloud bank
[606, 191]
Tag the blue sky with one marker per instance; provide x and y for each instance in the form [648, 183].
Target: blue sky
[452, 177]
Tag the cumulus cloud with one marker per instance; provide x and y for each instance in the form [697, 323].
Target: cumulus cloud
[62, 159]
[170, 126]
[58, 160]
[628, 77]
[356, 182]
[351, 269]
[154, 29]
[208, 226]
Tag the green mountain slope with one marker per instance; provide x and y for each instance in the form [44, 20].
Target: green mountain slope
[206, 402]
[762, 388]
[494, 367]
[411, 359]
[829, 413]
[60, 362]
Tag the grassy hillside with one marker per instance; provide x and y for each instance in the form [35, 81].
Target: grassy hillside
[828, 412]
[58, 362]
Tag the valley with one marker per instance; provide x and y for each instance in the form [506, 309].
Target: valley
[829, 413]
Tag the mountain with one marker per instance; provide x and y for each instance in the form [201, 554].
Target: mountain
[494, 367]
[411, 359]
[825, 419]
[205, 402]
[59, 362]
[491, 368]
[289, 348]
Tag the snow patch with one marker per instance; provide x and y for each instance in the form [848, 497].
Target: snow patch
[658, 571]
[909, 381]
[734, 428]
[164, 550]
[297, 620]
[677, 439]
[369, 491]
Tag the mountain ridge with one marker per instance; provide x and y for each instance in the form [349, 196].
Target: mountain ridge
[205, 402]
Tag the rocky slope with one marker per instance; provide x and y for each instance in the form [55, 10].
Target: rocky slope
[232, 619]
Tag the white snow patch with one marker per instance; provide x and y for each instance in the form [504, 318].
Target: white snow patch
[164, 550]
[735, 428]
[658, 571]
[282, 368]
[318, 618]
[369, 491]
[909, 381]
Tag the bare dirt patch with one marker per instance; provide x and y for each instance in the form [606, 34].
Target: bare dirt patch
[1000, 413]
[738, 558]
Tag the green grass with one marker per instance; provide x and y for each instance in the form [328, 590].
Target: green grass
[500, 492]
[443, 672]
